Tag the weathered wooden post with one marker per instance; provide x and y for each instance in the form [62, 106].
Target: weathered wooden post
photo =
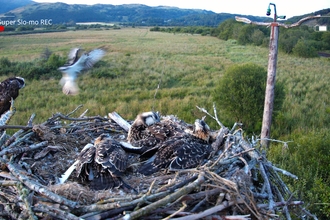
[271, 72]
[271, 77]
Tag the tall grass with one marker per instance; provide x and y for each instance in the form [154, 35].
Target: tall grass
[186, 68]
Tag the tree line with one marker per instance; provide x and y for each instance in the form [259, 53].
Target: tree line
[302, 41]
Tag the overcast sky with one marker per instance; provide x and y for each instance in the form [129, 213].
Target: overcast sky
[254, 7]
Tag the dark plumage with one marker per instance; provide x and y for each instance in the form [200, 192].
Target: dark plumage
[102, 164]
[9, 89]
[181, 152]
[148, 130]
[75, 65]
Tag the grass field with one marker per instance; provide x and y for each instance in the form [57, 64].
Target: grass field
[186, 67]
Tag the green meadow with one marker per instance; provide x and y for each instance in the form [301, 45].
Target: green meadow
[186, 68]
[174, 73]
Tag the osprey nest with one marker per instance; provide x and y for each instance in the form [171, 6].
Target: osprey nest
[235, 182]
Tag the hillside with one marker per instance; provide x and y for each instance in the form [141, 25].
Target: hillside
[136, 14]
[10, 5]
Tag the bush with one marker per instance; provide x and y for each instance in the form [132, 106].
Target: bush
[308, 158]
[241, 94]
[305, 48]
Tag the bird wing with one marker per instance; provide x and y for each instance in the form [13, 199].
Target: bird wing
[112, 157]
[190, 154]
[88, 60]
[84, 157]
[162, 158]
[73, 56]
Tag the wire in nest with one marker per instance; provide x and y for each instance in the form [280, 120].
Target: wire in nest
[160, 81]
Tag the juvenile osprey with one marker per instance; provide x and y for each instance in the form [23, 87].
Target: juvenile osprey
[148, 130]
[101, 165]
[183, 152]
[74, 66]
[9, 89]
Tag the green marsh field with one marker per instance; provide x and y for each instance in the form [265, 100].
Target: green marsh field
[186, 68]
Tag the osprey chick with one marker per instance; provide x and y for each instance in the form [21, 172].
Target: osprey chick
[148, 130]
[181, 152]
[101, 165]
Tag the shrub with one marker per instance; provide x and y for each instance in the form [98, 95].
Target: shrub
[308, 158]
[305, 48]
[241, 94]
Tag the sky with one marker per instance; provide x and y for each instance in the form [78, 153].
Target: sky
[289, 8]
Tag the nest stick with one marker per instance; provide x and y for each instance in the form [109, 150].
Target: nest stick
[33, 185]
[168, 199]
[54, 212]
[18, 150]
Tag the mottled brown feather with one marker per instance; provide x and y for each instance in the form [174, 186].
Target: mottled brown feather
[9, 88]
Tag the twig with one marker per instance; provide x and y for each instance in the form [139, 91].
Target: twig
[119, 120]
[33, 185]
[15, 127]
[214, 117]
[54, 212]
[18, 140]
[108, 206]
[178, 211]
[277, 204]
[210, 211]
[282, 171]
[8, 183]
[219, 139]
[168, 199]
[268, 187]
[76, 109]
[19, 150]
[24, 194]
[308, 213]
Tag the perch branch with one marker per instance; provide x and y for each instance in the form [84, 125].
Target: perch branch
[248, 21]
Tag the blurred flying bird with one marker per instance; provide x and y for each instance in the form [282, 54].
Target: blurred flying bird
[75, 65]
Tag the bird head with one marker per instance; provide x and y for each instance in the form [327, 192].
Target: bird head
[101, 138]
[201, 130]
[150, 118]
[21, 82]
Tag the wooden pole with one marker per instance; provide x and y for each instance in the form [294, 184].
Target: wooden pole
[271, 73]
[270, 86]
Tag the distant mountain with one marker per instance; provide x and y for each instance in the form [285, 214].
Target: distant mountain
[129, 14]
[6, 5]
[136, 14]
